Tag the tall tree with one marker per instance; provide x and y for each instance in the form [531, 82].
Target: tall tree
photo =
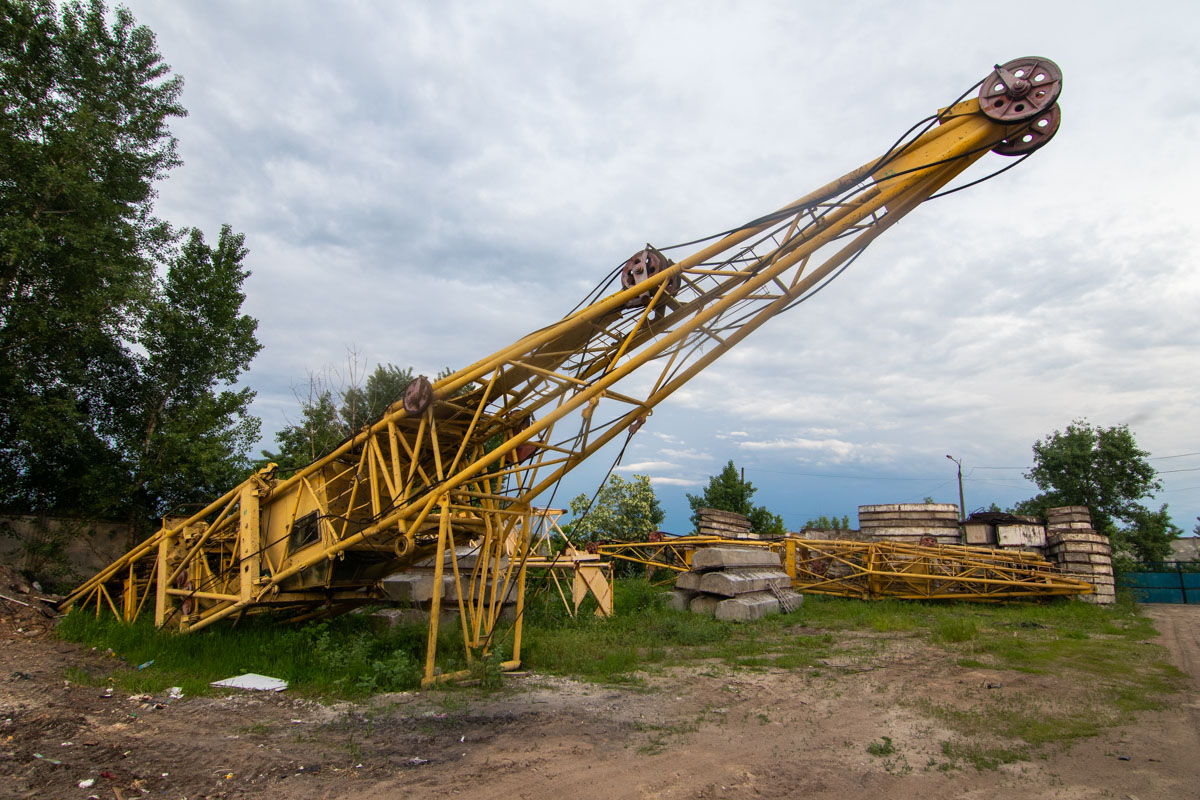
[624, 510]
[728, 492]
[187, 433]
[114, 393]
[1101, 468]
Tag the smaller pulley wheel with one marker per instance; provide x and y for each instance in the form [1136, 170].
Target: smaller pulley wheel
[642, 265]
[1021, 89]
[1032, 136]
[418, 395]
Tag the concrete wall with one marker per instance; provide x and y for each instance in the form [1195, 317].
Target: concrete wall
[1185, 548]
[61, 548]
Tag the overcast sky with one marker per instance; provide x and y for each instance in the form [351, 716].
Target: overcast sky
[422, 183]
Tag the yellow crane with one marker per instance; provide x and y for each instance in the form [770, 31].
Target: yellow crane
[464, 458]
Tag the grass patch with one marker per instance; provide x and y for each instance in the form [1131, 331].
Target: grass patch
[644, 631]
[982, 758]
[341, 657]
[883, 747]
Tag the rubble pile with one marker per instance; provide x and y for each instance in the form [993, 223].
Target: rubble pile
[24, 607]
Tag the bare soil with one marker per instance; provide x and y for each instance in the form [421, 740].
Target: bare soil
[699, 732]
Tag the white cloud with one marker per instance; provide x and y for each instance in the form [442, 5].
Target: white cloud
[420, 181]
[691, 455]
[642, 467]
[656, 479]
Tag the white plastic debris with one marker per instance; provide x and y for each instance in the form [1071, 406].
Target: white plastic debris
[87, 783]
[251, 680]
[175, 692]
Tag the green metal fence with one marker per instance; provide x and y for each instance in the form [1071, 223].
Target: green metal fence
[1166, 582]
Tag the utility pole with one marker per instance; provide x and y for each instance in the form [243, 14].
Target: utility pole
[962, 507]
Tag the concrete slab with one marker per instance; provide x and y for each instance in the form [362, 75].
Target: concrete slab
[734, 582]
[1021, 535]
[688, 580]
[414, 587]
[681, 599]
[747, 607]
[704, 604]
[710, 558]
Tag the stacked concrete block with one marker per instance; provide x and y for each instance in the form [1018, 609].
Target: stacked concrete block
[735, 583]
[843, 534]
[715, 522]
[414, 586]
[1073, 544]
[911, 523]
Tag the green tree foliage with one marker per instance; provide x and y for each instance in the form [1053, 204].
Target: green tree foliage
[623, 510]
[188, 434]
[1101, 468]
[824, 523]
[1149, 536]
[728, 492]
[384, 386]
[95, 401]
[329, 416]
[1105, 470]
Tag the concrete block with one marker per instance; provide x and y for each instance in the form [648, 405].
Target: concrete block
[681, 599]
[979, 533]
[913, 531]
[386, 619]
[704, 604]
[747, 607]
[733, 582]
[1021, 535]
[414, 587]
[688, 580]
[710, 558]
[919, 507]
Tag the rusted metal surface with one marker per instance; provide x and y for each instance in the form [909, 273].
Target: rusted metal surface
[418, 395]
[642, 265]
[1039, 131]
[1020, 89]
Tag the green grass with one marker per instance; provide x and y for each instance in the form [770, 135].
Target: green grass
[883, 747]
[644, 632]
[342, 657]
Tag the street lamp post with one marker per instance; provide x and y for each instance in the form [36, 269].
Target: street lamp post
[962, 507]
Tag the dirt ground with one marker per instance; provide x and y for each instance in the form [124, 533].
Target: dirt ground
[707, 732]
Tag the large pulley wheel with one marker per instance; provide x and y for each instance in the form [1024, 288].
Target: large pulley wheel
[1021, 89]
[1032, 136]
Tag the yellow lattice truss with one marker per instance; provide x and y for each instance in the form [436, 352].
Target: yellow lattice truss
[463, 459]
